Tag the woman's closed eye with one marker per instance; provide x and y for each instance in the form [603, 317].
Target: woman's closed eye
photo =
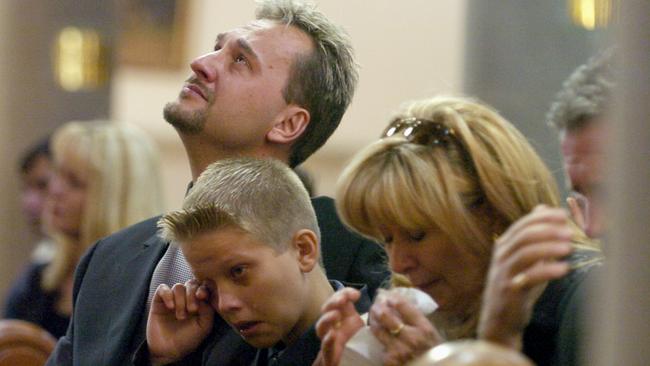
[408, 236]
[417, 235]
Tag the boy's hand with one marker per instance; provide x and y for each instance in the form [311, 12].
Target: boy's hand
[179, 319]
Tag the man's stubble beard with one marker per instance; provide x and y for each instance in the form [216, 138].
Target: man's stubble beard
[186, 122]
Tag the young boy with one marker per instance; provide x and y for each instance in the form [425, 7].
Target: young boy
[250, 234]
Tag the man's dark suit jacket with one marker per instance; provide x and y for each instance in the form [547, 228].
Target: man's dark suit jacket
[112, 283]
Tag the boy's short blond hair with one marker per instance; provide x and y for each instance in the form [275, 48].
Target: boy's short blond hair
[264, 197]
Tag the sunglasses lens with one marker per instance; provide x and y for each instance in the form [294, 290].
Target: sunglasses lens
[423, 132]
[391, 131]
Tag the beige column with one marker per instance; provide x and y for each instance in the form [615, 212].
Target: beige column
[622, 329]
[14, 236]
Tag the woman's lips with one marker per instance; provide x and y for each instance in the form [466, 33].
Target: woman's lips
[428, 286]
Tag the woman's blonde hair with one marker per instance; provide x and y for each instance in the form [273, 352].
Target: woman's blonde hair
[487, 164]
[471, 188]
[123, 185]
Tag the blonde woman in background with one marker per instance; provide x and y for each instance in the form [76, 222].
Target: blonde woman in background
[106, 178]
[450, 183]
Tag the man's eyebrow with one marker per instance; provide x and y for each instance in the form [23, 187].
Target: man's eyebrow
[246, 48]
[242, 43]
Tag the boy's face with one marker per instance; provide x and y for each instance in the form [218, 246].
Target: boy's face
[260, 292]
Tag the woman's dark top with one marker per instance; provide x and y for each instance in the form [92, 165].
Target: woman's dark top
[28, 301]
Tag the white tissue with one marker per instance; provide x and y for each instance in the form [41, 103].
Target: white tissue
[419, 298]
[363, 349]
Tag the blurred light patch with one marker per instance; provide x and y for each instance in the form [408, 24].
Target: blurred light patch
[592, 14]
[80, 59]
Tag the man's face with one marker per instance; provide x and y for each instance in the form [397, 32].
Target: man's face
[235, 92]
[34, 190]
[260, 292]
[584, 163]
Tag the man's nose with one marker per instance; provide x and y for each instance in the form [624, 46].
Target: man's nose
[205, 66]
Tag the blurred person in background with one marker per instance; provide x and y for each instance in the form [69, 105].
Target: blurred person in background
[579, 114]
[35, 169]
[106, 177]
[468, 213]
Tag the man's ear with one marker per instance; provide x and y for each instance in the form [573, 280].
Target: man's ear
[289, 126]
[305, 244]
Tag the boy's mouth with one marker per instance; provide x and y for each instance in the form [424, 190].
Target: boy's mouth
[246, 328]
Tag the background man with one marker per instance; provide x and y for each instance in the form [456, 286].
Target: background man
[579, 114]
[277, 88]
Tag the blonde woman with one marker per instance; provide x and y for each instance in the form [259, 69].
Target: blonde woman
[106, 178]
[449, 180]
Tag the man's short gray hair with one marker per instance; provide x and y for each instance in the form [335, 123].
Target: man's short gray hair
[585, 95]
[322, 82]
[264, 197]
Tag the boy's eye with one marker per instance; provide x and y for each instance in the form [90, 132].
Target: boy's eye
[237, 271]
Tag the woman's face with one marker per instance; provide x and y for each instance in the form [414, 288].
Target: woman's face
[446, 271]
[67, 196]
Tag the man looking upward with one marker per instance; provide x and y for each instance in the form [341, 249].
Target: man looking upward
[276, 88]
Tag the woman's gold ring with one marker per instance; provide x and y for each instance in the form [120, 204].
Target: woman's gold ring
[520, 280]
[395, 332]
